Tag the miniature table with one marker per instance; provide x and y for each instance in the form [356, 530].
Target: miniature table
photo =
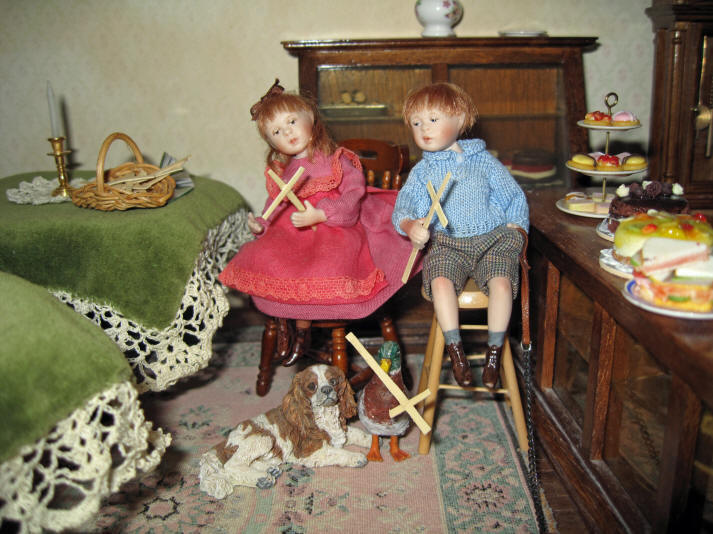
[623, 393]
[147, 277]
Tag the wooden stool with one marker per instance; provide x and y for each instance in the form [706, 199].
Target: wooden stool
[470, 299]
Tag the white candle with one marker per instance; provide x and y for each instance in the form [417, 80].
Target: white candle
[54, 120]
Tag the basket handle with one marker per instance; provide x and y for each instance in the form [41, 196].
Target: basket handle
[105, 148]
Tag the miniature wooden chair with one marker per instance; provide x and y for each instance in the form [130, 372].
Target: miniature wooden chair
[473, 299]
[383, 163]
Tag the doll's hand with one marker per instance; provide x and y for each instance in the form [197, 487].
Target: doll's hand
[254, 225]
[513, 225]
[415, 231]
[308, 217]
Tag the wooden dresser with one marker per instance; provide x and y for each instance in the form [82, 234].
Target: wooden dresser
[624, 395]
[529, 91]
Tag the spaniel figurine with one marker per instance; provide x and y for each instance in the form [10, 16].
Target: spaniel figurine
[308, 428]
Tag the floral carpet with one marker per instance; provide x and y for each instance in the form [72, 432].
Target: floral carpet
[471, 481]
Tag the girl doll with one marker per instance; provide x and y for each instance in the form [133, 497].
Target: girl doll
[340, 258]
[486, 212]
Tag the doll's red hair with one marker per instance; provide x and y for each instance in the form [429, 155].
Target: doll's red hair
[445, 96]
[275, 101]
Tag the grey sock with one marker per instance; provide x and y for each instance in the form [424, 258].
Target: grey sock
[452, 336]
[496, 338]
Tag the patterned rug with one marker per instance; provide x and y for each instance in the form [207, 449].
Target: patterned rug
[471, 481]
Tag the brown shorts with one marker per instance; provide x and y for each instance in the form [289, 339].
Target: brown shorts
[481, 258]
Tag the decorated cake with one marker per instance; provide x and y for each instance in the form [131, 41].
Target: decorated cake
[633, 232]
[619, 119]
[640, 198]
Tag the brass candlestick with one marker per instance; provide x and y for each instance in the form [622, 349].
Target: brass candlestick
[59, 154]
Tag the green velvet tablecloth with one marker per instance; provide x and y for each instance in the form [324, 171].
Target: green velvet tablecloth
[51, 361]
[136, 261]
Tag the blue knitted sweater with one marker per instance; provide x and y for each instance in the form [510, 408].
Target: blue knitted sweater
[480, 196]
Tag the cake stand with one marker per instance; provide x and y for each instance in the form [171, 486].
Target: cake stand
[610, 100]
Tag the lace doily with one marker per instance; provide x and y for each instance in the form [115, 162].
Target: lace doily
[39, 191]
[59, 481]
[159, 358]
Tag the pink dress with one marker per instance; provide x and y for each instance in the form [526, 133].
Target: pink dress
[345, 269]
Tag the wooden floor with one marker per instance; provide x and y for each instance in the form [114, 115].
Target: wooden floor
[412, 315]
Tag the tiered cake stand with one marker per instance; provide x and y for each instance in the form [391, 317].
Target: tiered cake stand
[610, 101]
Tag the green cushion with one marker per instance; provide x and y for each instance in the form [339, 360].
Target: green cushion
[137, 260]
[52, 360]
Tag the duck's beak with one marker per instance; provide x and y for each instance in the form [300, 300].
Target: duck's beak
[385, 364]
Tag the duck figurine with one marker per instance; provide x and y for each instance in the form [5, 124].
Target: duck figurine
[375, 401]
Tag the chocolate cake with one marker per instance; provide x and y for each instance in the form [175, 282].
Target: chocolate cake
[641, 198]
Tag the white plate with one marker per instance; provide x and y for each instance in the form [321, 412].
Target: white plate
[522, 33]
[605, 127]
[603, 230]
[604, 173]
[561, 206]
[610, 264]
[629, 292]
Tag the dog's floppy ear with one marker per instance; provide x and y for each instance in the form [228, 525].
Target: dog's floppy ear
[296, 405]
[347, 405]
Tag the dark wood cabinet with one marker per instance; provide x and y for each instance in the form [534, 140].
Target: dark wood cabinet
[681, 140]
[623, 396]
[529, 91]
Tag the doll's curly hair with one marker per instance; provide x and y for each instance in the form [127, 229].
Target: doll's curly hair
[445, 96]
[275, 101]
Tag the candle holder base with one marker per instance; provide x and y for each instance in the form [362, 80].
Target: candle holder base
[59, 154]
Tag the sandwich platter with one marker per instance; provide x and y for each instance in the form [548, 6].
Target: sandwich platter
[629, 293]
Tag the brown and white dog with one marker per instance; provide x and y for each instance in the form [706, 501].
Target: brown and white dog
[308, 428]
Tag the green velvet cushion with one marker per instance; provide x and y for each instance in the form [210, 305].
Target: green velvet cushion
[138, 260]
[52, 360]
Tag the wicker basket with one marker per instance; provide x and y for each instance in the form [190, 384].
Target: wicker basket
[101, 195]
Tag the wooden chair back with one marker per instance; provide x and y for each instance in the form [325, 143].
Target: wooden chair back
[383, 162]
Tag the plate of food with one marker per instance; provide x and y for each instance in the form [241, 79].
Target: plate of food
[603, 230]
[631, 292]
[606, 127]
[613, 265]
[591, 205]
[601, 164]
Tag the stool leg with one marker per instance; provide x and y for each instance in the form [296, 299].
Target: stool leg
[427, 357]
[509, 379]
[267, 354]
[339, 349]
[434, 379]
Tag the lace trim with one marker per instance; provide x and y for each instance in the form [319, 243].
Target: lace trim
[313, 290]
[315, 185]
[159, 358]
[59, 481]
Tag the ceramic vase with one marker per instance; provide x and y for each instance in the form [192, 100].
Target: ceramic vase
[438, 17]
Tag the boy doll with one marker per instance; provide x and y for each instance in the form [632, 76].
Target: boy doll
[487, 217]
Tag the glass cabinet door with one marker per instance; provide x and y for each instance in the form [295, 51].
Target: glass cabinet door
[366, 102]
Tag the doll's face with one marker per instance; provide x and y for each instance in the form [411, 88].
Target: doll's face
[434, 130]
[290, 132]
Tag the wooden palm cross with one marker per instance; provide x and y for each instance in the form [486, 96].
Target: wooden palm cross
[405, 404]
[435, 208]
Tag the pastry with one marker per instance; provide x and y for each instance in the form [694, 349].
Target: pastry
[608, 162]
[597, 118]
[633, 232]
[624, 118]
[582, 161]
[642, 197]
[581, 202]
[633, 162]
